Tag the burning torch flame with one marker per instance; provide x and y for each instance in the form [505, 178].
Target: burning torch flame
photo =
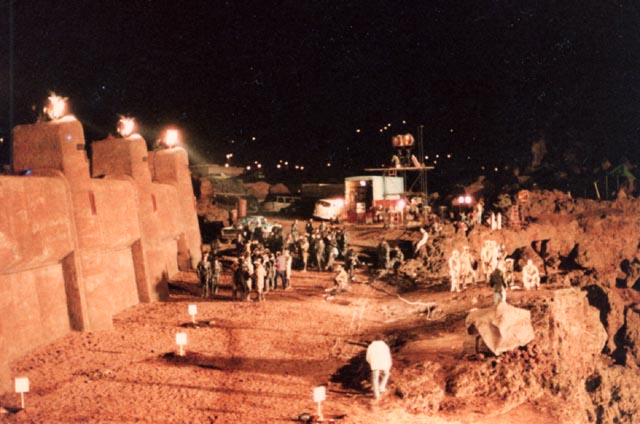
[56, 107]
[171, 138]
[126, 125]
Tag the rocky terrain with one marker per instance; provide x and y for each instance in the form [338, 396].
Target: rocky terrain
[258, 362]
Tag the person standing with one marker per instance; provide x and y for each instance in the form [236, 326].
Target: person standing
[204, 275]
[497, 283]
[281, 271]
[530, 276]
[379, 360]
[303, 247]
[454, 270]
[240, 287]
[308, 228]
[287, 270]
[350, 263]
[383, 253]
[259, 275]
[320, 253]
[216, 269]
[422, 243]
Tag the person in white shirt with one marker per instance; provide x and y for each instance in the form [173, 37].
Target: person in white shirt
[530, 276]
[379, 359]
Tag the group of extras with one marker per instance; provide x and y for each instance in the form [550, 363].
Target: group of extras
[264, 260]
[496, 268]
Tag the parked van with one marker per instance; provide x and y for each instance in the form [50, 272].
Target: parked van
[329, 209]
[276, 202]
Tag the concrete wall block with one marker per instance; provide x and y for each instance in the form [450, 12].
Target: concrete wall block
[33, 309]
[110, 284]
[106, 214]
[51, 145]
[36, 230]
[122, 156]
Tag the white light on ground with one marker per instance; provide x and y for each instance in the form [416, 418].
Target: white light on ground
[319, 396]
[358, 130]
[181, 341]
[193, 311]
[22, 387]
[363, 183]
[467, 199]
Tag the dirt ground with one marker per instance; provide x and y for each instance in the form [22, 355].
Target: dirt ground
[258, 362]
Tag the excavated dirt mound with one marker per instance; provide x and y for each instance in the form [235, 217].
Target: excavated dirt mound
[258, 362]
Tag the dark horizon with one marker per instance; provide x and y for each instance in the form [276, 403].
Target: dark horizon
[302, 78]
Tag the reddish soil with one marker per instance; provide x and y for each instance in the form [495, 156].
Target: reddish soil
[250, 361]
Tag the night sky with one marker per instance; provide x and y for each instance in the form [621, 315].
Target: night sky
[485, 78]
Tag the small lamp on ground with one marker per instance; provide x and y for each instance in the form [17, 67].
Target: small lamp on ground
[319, 396]
[22, 387]
[193, 311]
[181, 341]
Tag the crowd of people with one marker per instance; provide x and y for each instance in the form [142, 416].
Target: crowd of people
[264, 261]
[495, 267]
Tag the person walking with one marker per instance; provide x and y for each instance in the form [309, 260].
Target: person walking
[379, 360]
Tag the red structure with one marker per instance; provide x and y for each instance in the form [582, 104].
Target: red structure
[75, 250]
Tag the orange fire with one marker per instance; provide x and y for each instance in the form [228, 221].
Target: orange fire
[126, 126]
[56, 108]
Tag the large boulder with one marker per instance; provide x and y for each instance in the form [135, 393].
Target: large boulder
[502, 327]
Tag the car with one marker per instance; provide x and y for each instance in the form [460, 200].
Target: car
[301, 209]
[275, 203]
[329, 209]
[231, 232]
